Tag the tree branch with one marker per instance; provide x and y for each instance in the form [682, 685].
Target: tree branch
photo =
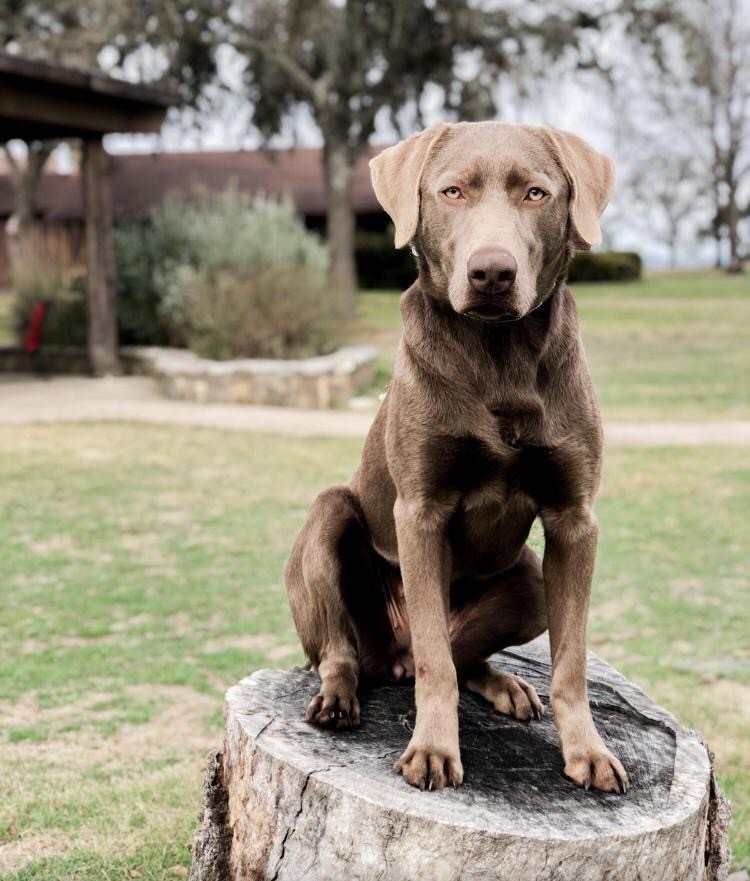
[296, 73]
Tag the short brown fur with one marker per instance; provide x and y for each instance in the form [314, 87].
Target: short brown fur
[419, 565]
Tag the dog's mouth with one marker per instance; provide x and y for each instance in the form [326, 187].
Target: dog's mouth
[490, 313]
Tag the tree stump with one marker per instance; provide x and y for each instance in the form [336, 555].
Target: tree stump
[287, 801]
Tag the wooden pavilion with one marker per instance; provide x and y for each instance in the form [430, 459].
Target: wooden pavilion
[40, 101]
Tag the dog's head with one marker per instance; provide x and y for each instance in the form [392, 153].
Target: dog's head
[493, 210]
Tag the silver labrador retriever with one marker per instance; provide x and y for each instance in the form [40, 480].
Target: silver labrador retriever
[419, 565]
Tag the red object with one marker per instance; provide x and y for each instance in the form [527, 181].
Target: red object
[32, 338]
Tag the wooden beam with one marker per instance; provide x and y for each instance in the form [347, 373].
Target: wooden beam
[38, 99]
[102, 311]
[26, 104]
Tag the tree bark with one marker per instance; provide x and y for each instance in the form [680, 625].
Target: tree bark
[102, 310]
[340, 221]
[289, 801]
[25, 182]
[672, 240]
[733, 220]
[25, 186]
[716, 176]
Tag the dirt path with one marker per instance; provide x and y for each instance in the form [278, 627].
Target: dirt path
[25, 401]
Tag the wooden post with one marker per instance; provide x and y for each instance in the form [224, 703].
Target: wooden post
[102, 311]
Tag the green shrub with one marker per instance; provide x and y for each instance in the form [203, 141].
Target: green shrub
[284, 313]
[605, 266]
[141, 249]
[44, 268]
[242, 277]
[380, 265]
[190, 276]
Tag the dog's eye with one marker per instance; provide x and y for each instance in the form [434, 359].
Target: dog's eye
[535, 194]
[453, 193]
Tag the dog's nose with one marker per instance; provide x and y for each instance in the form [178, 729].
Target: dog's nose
[491, 270]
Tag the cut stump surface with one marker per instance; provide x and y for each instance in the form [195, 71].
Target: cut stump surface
[294, 802]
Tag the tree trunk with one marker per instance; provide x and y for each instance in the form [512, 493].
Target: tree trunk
[286, 801]
[25, 183]
[340, 221]
[18, 225]
[716, 182]
[25, 191]
[733, 221]
[102, 310]
[672, 244]
[717, 241]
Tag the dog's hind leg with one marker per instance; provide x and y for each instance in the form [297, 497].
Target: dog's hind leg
[331, 583]
[489, 616]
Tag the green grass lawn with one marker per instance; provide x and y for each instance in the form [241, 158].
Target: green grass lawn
[674, 346]
[142, 575]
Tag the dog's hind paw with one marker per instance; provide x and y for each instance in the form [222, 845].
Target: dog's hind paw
[508, 694]
[331, 709]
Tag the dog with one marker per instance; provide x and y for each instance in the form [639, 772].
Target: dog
[419, 565]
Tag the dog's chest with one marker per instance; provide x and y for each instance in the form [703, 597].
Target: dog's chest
[492, 476]
[502, 489]
[516, 425]
[512, 457]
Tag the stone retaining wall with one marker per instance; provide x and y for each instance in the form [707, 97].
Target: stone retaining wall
[316, 383]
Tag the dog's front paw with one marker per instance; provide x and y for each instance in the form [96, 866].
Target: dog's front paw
[595, 766]
[430, 767]
[334, 708]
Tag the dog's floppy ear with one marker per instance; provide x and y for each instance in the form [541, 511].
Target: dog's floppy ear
[396, 175]
[591, 176]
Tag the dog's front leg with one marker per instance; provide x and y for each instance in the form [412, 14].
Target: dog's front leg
[432, 758]
[569, 556]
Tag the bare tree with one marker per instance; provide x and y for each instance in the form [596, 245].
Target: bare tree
[694, 63]
[664, 193]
